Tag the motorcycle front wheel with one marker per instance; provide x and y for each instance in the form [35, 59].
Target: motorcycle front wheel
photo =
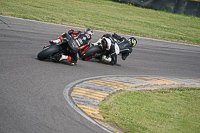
[47, 52]
[88, 54]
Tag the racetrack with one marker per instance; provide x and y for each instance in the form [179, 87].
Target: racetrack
[31, 94]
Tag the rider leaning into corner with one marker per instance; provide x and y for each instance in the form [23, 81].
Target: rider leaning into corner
[113, 45]
[81, 38]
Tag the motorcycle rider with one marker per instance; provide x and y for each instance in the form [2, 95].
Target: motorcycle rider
[114, 42]
[109, 47]
[82, 39]
[125, 45]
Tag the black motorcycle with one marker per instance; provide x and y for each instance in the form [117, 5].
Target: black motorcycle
[66, 46]
[92, 52]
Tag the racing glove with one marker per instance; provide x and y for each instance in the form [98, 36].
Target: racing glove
[70, 31]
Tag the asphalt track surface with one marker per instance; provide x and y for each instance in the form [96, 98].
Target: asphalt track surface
[31, 93]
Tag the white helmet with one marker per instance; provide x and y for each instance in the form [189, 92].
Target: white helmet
[106, 43]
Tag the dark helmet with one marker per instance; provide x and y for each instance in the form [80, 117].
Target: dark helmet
[90, 32]
[132, 41]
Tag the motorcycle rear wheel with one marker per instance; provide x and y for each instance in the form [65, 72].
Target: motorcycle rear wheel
[90, 52]
[47, 52]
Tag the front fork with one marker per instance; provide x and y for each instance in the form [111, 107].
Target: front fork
[83, 49]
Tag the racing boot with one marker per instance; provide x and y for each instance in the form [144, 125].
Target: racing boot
[67, 60]
[53, 42]
[116, 36]
[105, 58]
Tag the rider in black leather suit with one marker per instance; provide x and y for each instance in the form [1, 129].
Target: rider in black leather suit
[82, 39]
[108, 45]
[125, 45]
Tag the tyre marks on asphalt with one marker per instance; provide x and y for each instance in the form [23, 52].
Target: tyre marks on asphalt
[88, 94]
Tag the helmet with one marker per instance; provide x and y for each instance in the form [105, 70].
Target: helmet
[90, 32]
[106, 43]
[132, 41]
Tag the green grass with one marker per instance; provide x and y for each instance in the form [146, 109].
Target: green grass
[108, 16]
[154, 111]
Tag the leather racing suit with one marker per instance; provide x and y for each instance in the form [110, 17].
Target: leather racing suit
[82, 39]
[124, 45]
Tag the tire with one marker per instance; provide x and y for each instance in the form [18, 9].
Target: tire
[90, 52]
[47, 52]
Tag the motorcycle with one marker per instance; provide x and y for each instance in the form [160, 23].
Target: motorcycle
[65, 46]
[92, 52]
[97, 51]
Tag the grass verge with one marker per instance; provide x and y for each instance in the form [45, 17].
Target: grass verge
[156, 111]
[108, 16]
